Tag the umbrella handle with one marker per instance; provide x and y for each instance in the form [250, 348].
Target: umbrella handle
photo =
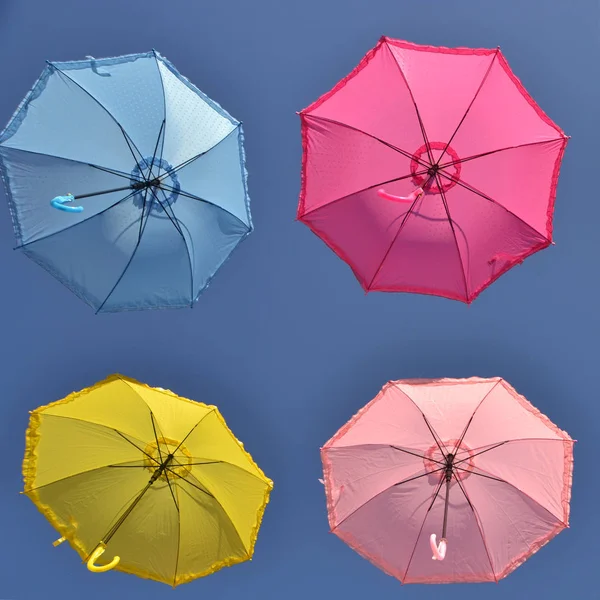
[439, 550]
[410, 198]
[99, 551]
[60, 202]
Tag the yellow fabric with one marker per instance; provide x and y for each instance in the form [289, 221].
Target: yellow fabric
[89, 459]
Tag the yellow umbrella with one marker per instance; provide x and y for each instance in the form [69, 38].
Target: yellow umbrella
[157, 481]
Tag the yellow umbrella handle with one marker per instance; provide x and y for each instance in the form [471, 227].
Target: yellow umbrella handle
[96, 554]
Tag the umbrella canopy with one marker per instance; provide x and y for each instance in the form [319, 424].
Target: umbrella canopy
[156, 480]
[466, 472]
[125, 181]
[430, 170]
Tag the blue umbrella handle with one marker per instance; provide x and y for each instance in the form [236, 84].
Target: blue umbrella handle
[60, 202]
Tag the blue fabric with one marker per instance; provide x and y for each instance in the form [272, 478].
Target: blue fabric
[131, 122]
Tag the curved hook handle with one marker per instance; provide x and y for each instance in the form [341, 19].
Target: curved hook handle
[410, 198]
[96, 554]
[60, 202]
[439, 550]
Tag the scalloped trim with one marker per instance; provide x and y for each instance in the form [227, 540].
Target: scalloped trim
[471, 296]
[380, 562]
[9, 130]
[212, 103]
[567, 460]
[438, 49]
[340, 84]
[29, 470]
[544, 117]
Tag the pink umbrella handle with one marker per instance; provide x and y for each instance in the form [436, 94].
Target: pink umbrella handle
[410, 198]
[439, 550]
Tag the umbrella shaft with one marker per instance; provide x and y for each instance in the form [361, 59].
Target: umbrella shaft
[446, 508]
[120, 522]
[136, 186]
[121, 189]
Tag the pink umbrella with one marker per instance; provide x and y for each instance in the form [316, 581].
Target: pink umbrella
[430, 170]
[468, 460]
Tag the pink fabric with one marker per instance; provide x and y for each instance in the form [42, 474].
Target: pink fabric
[403, 109]
[384, 475]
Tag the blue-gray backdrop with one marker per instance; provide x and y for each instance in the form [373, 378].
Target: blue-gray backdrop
[284, 341]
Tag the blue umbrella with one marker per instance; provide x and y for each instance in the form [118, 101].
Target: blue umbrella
[125, 181]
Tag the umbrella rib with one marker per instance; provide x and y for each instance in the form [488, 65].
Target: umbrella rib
[45, 414]
[137, 245]
[473, 190]
[479, 526]
[172, 492]
[111, 532]
[481, 474]
[374, 137]
[435, 437]
[451, 222]
[45, 237]
[462, 437]
[72, 160]
[161, 458]
[115, 466]
[482, 449]
[421, 124]
[185, 163]
[400, 449]
[156, 437]
[404, 220]
[471, 104]
[160, 132]
[178, 538]
[485, 475]
[175, 221]
[193, 428]
[136, 446]
[462, 460]
[229, 464]
[168, 188]
[128, 140]
[162, 85]
[387, 489]
[213, 496]
[306, 213]
[490, 152]
[439, 487]
[418, 455]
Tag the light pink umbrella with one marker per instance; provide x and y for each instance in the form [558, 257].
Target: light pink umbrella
[430, 170]
[468, 461]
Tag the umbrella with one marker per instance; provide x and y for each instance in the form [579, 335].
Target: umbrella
[430, 170]
[125, 181]
[468, 461]
[157, 481]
